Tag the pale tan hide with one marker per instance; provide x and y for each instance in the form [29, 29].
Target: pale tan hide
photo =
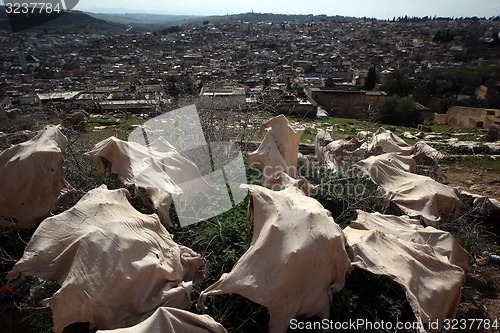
[444, 244]
[32, 183]
[323, 138]
[297, 258]
[287, 139]
[115, 265]
[485, 206]
[387, 142]
[432, 286]
[384, 141]
[281, 180]
[269, 159]
[422, 151]
[159, 168]
[277, 155]
[4, 141]
[172, 320]
[416, 195]
[338, 151]
[425, 155]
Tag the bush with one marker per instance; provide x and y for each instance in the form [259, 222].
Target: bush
[344, 191]
[222, 240]
[395, 110]
[372, 298]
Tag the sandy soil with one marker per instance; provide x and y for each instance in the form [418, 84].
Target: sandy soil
[481, 294]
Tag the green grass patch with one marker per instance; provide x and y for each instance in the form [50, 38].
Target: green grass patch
[474, 163]
[126, 124]
[342, 128]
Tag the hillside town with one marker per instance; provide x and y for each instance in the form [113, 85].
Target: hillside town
[323, 63]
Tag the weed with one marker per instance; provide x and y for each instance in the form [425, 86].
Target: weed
[372, 298]
[222, 240]
[344, 191]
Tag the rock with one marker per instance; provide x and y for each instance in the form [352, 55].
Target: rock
[75, 120]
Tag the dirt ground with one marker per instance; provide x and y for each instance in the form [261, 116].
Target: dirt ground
[481, 293]
[476, 177]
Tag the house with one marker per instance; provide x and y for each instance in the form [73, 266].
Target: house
[192, 60]
[290, 105]
[306, 65]
[374, 97]
[132, 105]
[63, 98]
[345, 103]
[468, 117]
[221, 98]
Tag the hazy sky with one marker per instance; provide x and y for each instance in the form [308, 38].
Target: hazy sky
[382, 9]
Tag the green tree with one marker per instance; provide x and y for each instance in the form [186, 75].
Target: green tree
[371, 79]
[398, 84]
[329, 83]
[267, 85]
[402, 111]
[171, 86]
[267, 82]
[493, 97]
[188, 87]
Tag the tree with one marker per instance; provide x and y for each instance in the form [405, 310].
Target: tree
[398, 84]
[493, 97]
[329, 83]
[443, 36]
[402, 111]
[171, 86]
[267, 84]
[371, 79]
[496, 37]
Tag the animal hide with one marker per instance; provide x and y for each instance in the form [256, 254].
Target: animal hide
[171, 320]
[432, 286]
[296, 259]
[416, 195]
[115, 265]
[31, 180]
[159, 168]
[444, 244]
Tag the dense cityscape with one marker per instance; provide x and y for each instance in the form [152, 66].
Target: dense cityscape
[256, 58]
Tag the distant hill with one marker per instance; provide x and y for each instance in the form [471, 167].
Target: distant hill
[70, 22]
[254, 17]
[147, 19]
[112, 24]
[164, 19]
[141, 22]
[151, 22]
[269, 17]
